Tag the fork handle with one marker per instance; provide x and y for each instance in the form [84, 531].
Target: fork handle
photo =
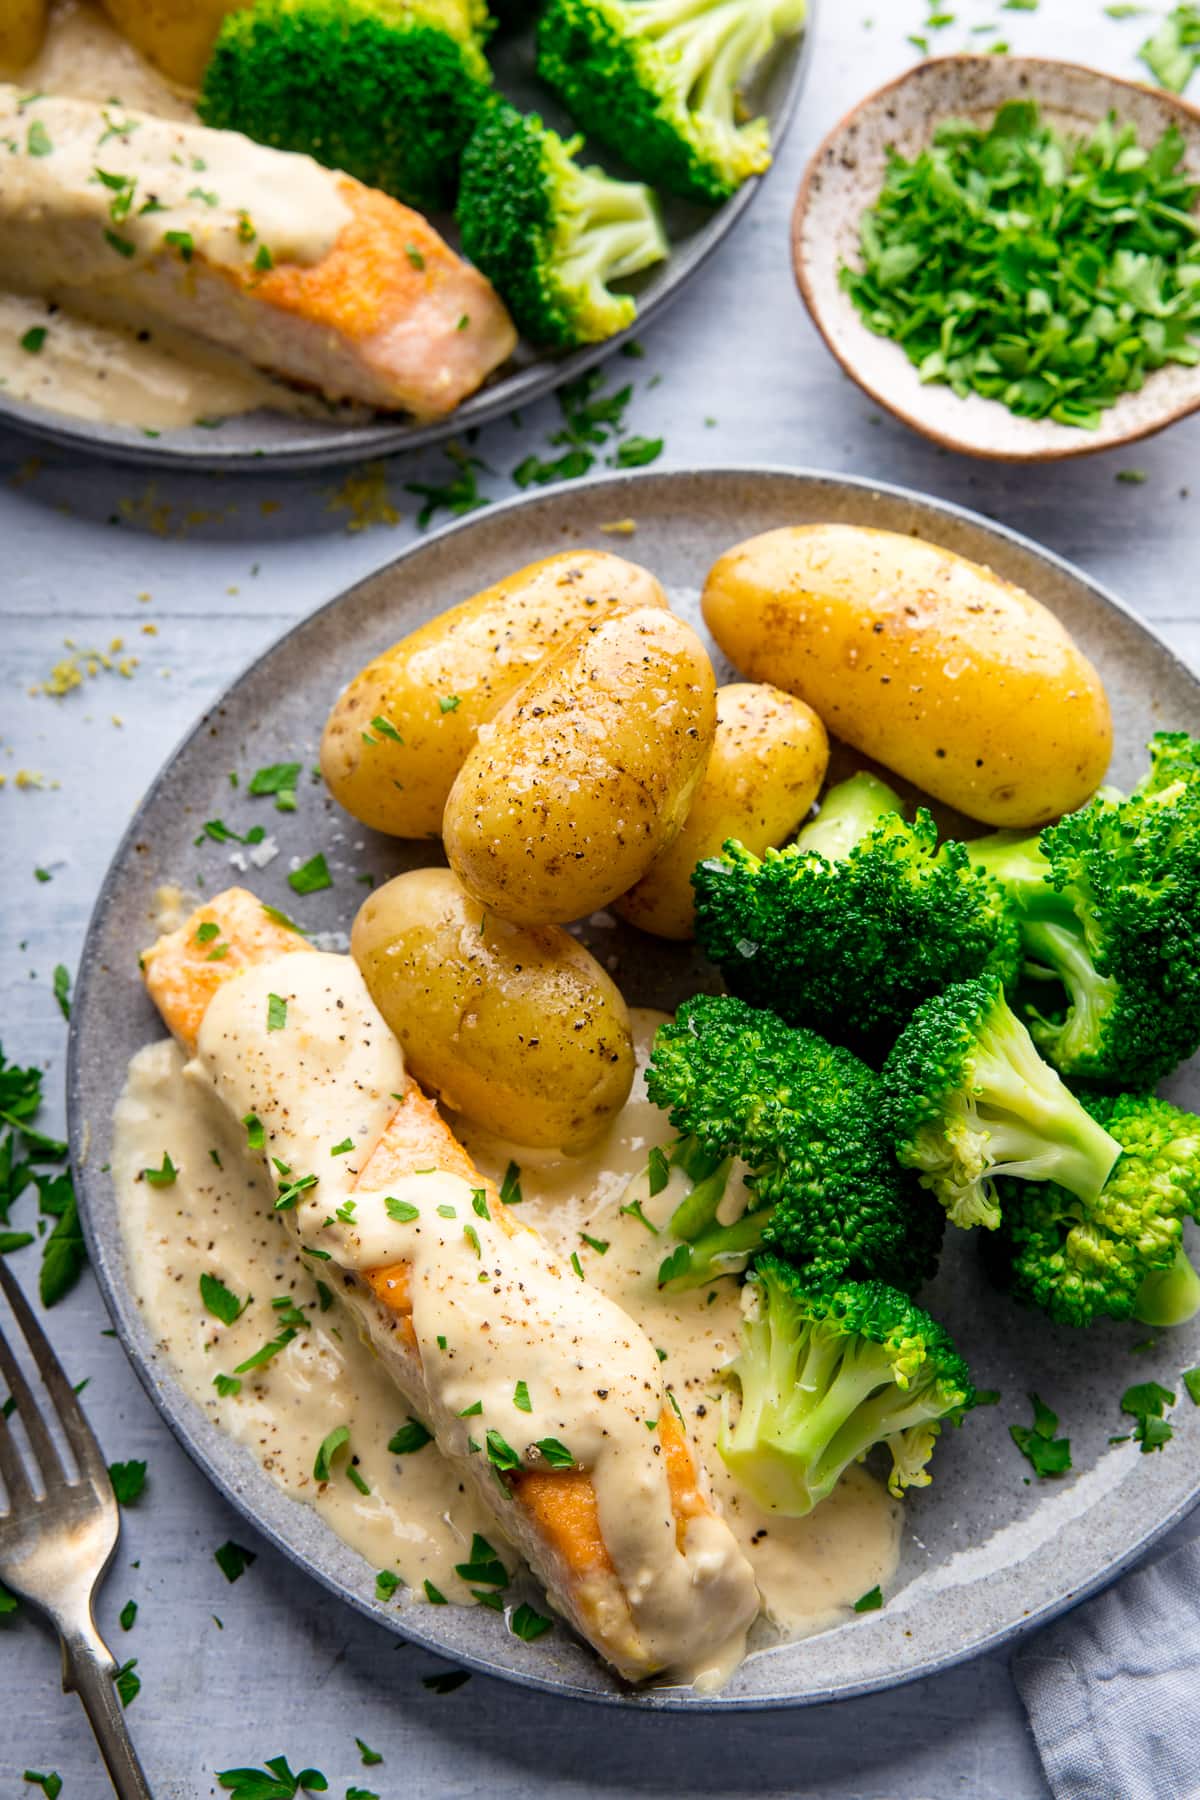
[88, 1669]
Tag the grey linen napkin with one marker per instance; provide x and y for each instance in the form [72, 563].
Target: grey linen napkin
[1113, 1690]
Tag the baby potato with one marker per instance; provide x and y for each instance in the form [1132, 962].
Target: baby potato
[586, 773]
[520, 1029]
[22, 28]
[177, 36]
[768, 762]
[434, 689]
[928, 663]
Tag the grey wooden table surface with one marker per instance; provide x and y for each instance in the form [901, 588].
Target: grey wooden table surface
[195, 575]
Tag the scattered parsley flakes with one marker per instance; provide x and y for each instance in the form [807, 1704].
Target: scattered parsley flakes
[289, 1194]
[233, 1559]
[472, 1237]
[479, 1204]
[521, 1398]
[311, 877]
[414, 256]
[576, 1264]
[227, 1385]
[62, 989]
[274, 1781]
[554, 1453]
[1046, 1454]
[633, 1209]
[457, 496]
[281, 918]
[128, 1615]
[280, 780]
[484, 1568]
[343, 1149]
[1131, 477]
[501, 1453]
[162, 1177]
[510, 1187]
[871, 1601]
[1191, 1381]
[636, 452]
[256, 1134]
[127, 1684]
[332, 1445]
[658, 1171]
[386, 729]
[206, 931]
[433, 1594]
[412, 1436]
[599, 1245]
[50, 1783]
[32, 341]
[528, 1624]
[276, 1012]
[370, 1757]
[266, 1352]
[37, 140]
[448, 703]
[263, 260]
[403, 1211]
[386, 1583]
[128, 1481]
[1147, 1403]
[219, 1301]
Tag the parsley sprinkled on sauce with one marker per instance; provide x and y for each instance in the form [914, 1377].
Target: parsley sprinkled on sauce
[871, 1601]
[554, 1453]
[658, 1170]
[510, 1187]
[332, 1445]
[472, 1237]
[266, 1352]
[219, 1301]
[412, 1436]
[227, 1385]
[1046, 1454]
[233, 1559]
[311, 876]
[342, 1149]
[521, 1398]
[128, 1481]
[576, 1264]
[483, 1568]
[403, 1211]
[263, 260]
[276, 1012]
[32, 341]
[634, 1210]
[448, 703]
[479, 1203]
[207, 931]
[501, 1453]
[256, 1134]
[434, 1595]
[281, 918]
[164, 1176]
[122, 245]
[414, 256]
[37, 140]
[445, 1210]
[386, 1583]
[528, 1624]
[599, 1245]
[472, 1411]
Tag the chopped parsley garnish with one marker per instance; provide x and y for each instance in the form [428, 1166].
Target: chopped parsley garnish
[576, 1264]
[289, 1194]
[62, 989]
[263, 259]
[1173, 51]
[311, 876]
[281, 918]
[448, 703]
[472, 1237]
[227, 1385]
[531, 471]
[472, 1411]
[164, 1176]
[332, 1445]
[276, 1012]
[37, 139]
[386, 729]
[1147, 1403]
[122, 245]
[634, 1210]
[39, 874]
[386, 1583]
[355, 1479]
[219, 1301]
[463, 322]
[445, 1210]
[484, 1568]
[1046, 1454]
[521, 1399]
[274, 1781]
[287, 1312]
[554, 1453]
[204, 195]
[1191, 1381]
[207, 931]
[128, 1481]
[528, 1624]
[403, 1211]
[50, 1783]
[871, 1601]
[256, 1134]
[510, 1187]
[457, 496]
[636, 452]
[127, 1684]
[676, 1264]
[501, 1453]
[658, 1170]
[479, 1205]
[32, 341]
[128, 1615]
[267, 1351]
[411, 1436]
[433, 1594]
[345, 1212]
[599, 1245]
[279, 779]
[414, 256]
[370, 1757]
[342, 1149]
[441, 1340]
[233, 1559]
[1065, 278]
[446, 1682]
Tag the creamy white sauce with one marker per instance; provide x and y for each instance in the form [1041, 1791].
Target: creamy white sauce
[809, 1571]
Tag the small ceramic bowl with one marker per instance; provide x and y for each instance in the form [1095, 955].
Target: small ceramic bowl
[844, 178]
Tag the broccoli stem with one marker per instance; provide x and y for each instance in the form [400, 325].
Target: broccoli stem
[1169, 1296]
[849, 813]
[724, 1250]
[697, 1211]
[1033, 1124]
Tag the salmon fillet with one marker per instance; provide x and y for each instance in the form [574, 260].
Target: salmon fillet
[558, 1527]
[301, 270]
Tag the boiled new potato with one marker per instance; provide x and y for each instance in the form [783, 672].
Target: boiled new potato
[586, 773]
[22, 28]
[520, 1029]
[177, 36]
[928, 663]
[768, 761]
[436, 687]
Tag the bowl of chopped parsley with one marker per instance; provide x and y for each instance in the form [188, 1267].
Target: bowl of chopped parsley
[1005, 253]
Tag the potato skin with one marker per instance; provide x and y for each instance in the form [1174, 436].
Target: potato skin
[927, 662]
[768, 761]
[22, 28]
[587, 772]
[481, 651]
[520, 1029]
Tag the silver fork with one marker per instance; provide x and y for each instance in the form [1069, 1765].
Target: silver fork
[55, 1549]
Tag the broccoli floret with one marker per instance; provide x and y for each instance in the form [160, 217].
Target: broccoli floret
[966, 1098]
[803, 1116]
[657, 82]
[1108, 907]
[856, 922]
[824, 1376]
[388, 90]
[551, 236]
[1121, 1255]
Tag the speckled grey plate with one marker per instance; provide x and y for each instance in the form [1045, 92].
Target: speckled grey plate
[984, 1553]
[843, 179]
[275, 440]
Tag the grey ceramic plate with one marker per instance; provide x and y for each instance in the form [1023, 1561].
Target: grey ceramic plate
[279, 441]
[985, 1554]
